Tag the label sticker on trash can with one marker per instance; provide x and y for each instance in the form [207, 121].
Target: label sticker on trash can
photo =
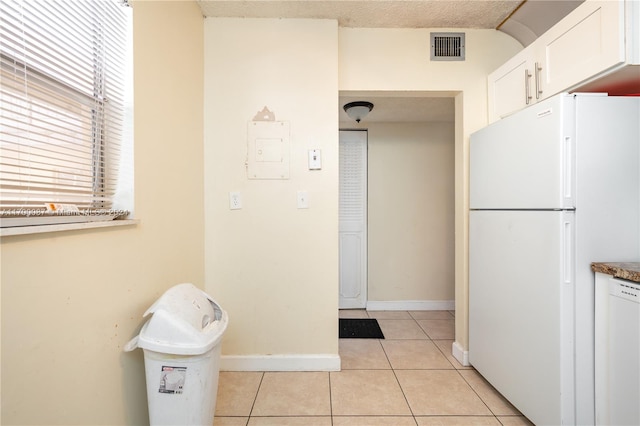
[172, 379]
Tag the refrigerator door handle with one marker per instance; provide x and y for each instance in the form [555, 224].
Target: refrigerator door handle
[567, 250]
[568, 168]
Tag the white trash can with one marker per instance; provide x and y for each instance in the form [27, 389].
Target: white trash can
[181, 344]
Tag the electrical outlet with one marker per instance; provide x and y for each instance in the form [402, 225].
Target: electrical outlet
[235, 200]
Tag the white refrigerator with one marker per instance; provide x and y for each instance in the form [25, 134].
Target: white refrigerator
[553, 188]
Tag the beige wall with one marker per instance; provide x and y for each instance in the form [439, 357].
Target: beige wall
[410, 212]
[378, 60]
[71, 300]
[272, 266]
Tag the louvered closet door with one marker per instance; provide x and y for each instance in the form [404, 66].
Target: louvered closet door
[353, 219]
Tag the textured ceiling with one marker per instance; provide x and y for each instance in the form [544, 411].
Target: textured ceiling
[373, 13]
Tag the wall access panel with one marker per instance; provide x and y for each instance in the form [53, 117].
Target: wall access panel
[268, 150]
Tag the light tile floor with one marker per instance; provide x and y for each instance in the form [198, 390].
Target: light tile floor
[409, 378]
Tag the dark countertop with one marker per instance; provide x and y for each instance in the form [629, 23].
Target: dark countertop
[623, 270]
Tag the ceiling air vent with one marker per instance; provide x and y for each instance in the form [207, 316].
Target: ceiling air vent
[447, 46]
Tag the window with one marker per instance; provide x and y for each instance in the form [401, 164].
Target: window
[65, 108]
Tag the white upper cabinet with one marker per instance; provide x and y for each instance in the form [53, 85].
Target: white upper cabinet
[510, 85]
[590, 49]
[588, 41]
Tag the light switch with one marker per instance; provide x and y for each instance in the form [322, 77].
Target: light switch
[303, 200]
[315, 159]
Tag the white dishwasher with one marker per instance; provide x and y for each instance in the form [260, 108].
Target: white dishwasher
[617, 351]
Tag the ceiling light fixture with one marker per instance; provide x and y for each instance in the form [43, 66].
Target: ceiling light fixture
[358, 110]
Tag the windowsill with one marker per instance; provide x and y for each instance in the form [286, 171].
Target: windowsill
[41, 229]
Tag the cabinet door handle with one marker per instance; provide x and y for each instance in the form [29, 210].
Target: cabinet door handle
[538, 82]
[527, 92]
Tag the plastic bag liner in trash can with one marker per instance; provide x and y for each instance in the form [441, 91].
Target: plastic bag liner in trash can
[181, 344]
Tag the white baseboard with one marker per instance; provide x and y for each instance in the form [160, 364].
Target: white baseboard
[411, 305]
[286, 362]
[460, 354]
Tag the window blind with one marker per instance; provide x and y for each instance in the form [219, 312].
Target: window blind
[64, 94]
